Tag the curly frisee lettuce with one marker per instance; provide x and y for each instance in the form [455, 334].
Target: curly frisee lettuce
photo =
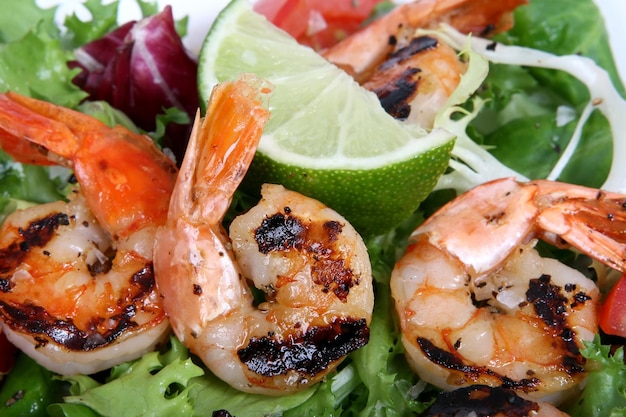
[473, 165]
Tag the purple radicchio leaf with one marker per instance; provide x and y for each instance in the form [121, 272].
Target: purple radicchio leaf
[142, 68]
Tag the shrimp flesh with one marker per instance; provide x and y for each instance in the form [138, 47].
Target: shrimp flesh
[476, 302]
[414, 75]
[416, 80]
[77, 290]
[308, 260]
[361, 52]
[486, 401]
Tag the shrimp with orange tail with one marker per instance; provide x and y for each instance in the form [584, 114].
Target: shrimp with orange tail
[308, 260]
[412, 75]
[77, 290]
[360, 53]
[476, 302]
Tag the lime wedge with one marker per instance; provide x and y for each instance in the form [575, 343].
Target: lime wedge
[327, 137]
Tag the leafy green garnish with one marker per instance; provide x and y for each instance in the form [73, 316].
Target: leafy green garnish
[28, 390]
[154, 385]
[81, 31]
[535, 118]
[517, 122]
[36, 65]
[20, 16]
[605, 390]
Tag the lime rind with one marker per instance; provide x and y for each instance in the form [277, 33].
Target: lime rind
[295, 71]
[373, 200]
[327, 137]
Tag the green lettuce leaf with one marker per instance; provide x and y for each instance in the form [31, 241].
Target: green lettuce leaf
[35, 65]
[20, 16]
[605, 391]
[210, 394]
[154, 385]
[521, 121]
[31, 183]
[556, 26]
[80, 31]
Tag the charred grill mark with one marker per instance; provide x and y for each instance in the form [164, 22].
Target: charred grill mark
[580, 298]
[286, 232]
[221, 413]
[417, 45]
[37, 234]
[44, 327]
[394, 96]
[280, 233]
[333, 230]
[487, 30]
[102, 267]
[309, 353]
[334, 276]
[401, 79]
[449, 361]
[143, 280]
[481, 401]
[551, 306]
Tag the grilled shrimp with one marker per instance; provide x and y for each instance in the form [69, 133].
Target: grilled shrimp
[414, 76]
[476, 302]
[308, 260]
[416, 80]
[486, 401]
[77, 289]
[361, 52]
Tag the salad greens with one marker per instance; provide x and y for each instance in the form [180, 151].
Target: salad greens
[141, 69]
[524, 116]
[608, 396]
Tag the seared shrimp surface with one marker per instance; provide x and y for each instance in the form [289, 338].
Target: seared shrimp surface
[478, 305]
[414, 75]
[77, 289]
[362, 52]
[308, 260]
[486, 401]
[416, 80]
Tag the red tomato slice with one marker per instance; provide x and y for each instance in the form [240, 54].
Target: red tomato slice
[317, 23]
[613, 311]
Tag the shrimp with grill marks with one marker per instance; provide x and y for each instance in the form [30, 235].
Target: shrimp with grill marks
[309, 262]
[414, 75]
[477, 303]
[77, 290]
[360, 53]
[486, 401]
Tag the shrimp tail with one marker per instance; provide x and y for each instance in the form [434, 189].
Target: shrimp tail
[309, 262]
[217, 159]
[26, 133]
[41, 133]
[360, 53]
[79, 293]
[590, 220]
[221, 146]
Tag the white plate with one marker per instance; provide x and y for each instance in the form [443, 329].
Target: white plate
[202, 13]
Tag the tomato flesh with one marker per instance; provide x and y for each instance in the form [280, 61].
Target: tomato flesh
[317, 23]
[612, 318]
